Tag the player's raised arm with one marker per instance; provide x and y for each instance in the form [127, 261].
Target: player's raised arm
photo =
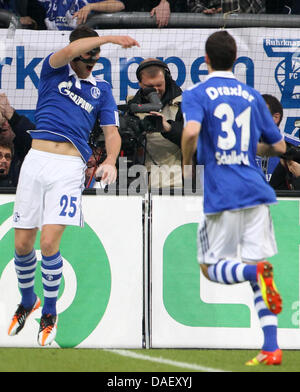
[84, 45]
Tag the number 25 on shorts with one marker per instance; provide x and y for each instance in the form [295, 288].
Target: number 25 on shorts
[68, 205]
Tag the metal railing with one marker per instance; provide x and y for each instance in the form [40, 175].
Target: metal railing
[8, 19]
[192, 20]
[141, 20]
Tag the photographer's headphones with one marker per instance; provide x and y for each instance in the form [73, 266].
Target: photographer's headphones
[150, 63]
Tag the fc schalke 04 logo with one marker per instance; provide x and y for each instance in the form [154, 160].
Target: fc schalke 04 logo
[95, 92]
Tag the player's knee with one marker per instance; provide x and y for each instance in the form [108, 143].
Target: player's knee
[24, 241]
[22, 248]
[48, 248]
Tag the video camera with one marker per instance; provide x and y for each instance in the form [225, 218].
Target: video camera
[292, 152]
[133, 129]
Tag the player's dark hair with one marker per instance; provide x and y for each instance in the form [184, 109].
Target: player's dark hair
[274, 105]
[82, 32]
[221, 50]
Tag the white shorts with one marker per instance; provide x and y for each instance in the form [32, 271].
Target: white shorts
[49, 190]
[247, 234]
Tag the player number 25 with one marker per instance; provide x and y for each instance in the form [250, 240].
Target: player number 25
[68, 206]
[242, 121]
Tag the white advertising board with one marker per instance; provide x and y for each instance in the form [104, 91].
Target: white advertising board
[187, 310]
[100, 303]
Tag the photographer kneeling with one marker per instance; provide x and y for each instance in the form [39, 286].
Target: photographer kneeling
[162, 151]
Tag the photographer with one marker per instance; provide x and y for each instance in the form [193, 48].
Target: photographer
[13, 129]
[162, 150]
[286, 175]
[268, 164]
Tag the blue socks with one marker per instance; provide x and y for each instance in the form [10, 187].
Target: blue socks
[231, 272]
[25, 268]
[267, 319]
[51, 268]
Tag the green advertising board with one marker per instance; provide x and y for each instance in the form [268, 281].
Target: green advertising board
[190, 303]
[92, 289]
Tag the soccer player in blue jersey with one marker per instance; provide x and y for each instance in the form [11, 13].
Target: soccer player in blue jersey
[70, 100]
[224, 120]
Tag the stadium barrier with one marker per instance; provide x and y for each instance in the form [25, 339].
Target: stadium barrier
[177, 20]
[8, 19]
[101, 301]
[187, 310]
[141, 20]
[131, 279]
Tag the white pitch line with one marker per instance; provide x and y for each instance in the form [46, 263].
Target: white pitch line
[185, 365]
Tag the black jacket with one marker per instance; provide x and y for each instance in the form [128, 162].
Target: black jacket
[22, 144]
[147, 5]
[283, 179]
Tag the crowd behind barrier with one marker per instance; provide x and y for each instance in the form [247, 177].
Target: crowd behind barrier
[144, 20]
[277, 14]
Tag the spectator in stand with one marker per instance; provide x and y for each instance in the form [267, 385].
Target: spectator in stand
[26, 11]
[161, 9]
[13, 129]
[104, 6]
[252, 6]
[275, 6]
[32, 9]
[268, 164]
[286, 175]
[205, 6]
[223, 6]
[282, 7]
[60, 15]
[293, 7]
[6, 154]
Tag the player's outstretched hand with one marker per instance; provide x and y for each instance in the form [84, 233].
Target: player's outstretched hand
[123, 40]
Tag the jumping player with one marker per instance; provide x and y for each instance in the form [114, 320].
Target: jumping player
[224, 120]
[70, 100]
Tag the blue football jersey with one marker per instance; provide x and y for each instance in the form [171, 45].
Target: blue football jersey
[268, 165]
[59, 13]
[68, 107]
[233, 117]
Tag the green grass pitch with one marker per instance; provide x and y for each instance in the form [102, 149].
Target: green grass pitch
[153, 360]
